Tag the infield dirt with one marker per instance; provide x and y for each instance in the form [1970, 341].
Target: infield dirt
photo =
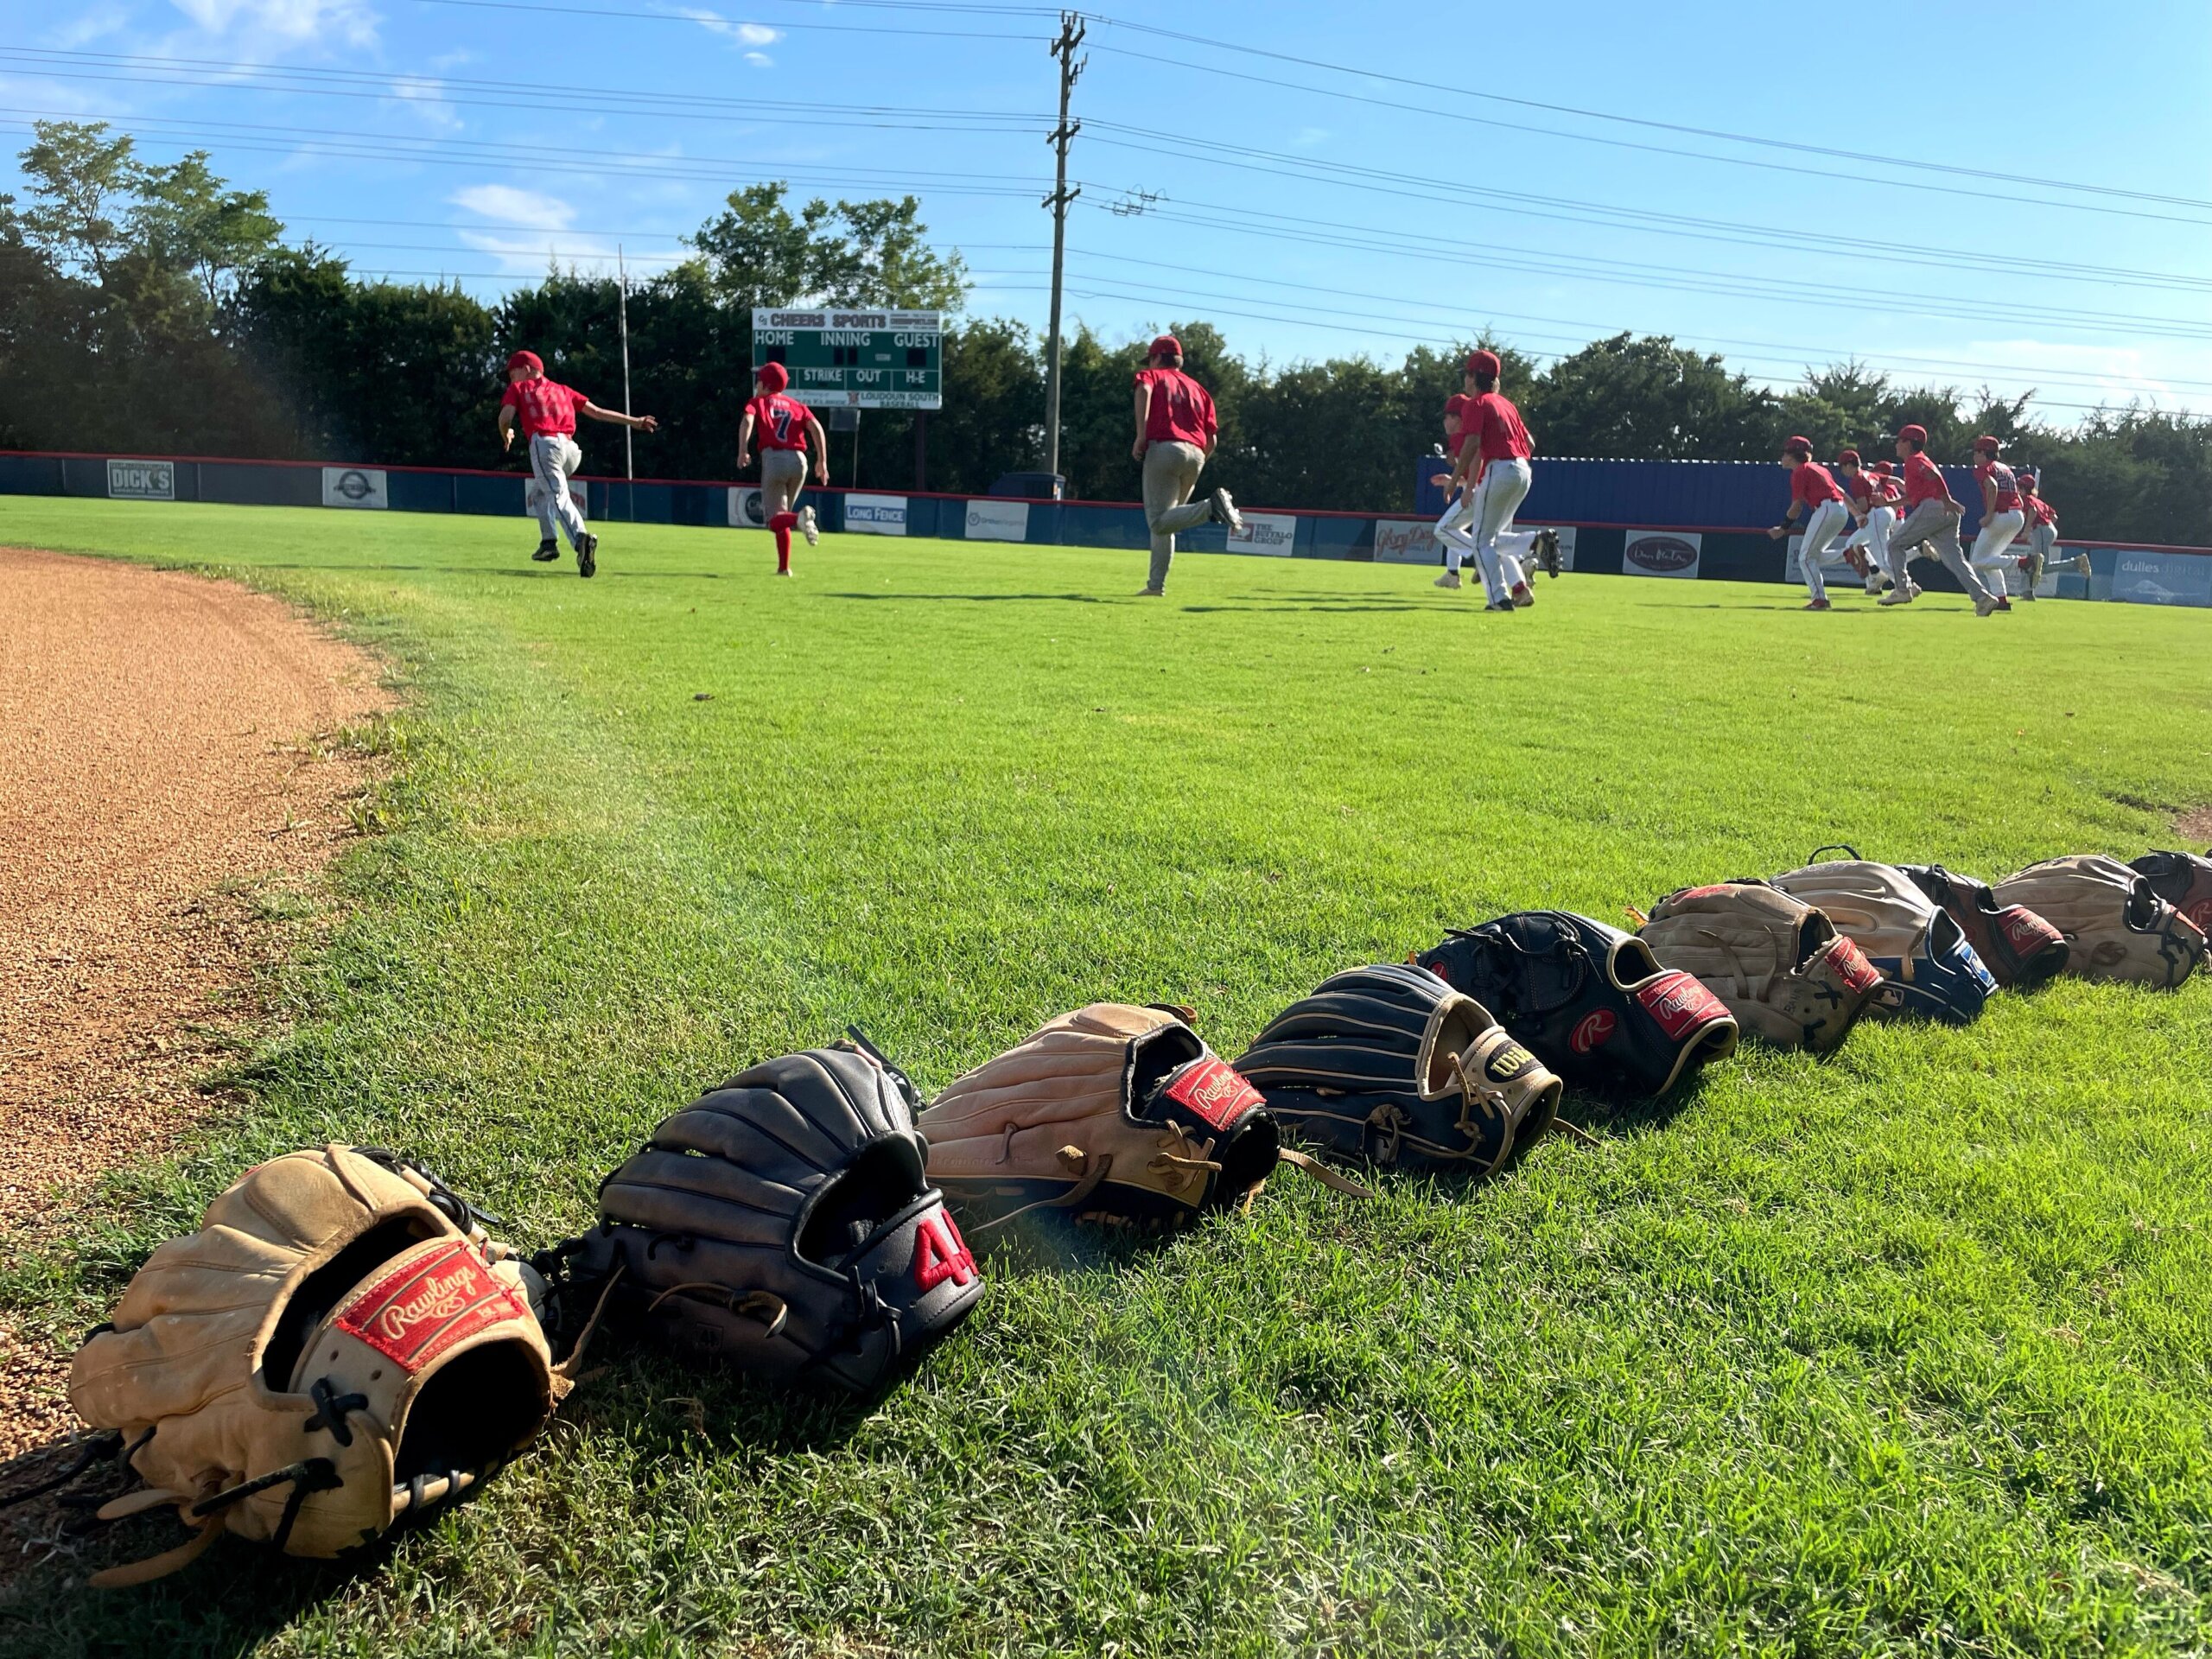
[165, 759]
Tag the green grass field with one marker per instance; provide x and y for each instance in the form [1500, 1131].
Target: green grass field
[1908, 1351]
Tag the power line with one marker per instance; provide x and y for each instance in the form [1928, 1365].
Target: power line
[829, 28]
[1908, 163]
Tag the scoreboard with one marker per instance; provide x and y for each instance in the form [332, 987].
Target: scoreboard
[864, 359]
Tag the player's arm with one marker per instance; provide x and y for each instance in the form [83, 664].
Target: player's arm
[1144, 415]
[819, 442]
[615, 417]
[1988, 497]
[745, 439]
[506, 426]
[1788, 520]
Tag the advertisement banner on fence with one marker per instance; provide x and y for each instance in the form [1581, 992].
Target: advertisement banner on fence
[1400, 541]
[2161, 578]
[876, 515]
[1269, 533]
[998, 521]
[354, 486]
[1661, 553]
[745, 512]
[141, 480]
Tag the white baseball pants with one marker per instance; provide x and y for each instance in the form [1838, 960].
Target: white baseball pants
[1993, 546]
[1822, 529]
[1489, 512]
[554, 459]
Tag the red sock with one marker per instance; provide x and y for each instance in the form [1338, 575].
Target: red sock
[781, 523]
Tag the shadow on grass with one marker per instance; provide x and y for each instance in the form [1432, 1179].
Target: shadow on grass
[976, 599]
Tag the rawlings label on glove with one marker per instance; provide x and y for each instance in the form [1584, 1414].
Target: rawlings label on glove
[1926, 964]
[1110, 1113]
[2116, 925]
[1391, 1063]
[2018, 947]
[1592, 1001]
[783, 1224]
[2183, 881]
[294, 1371]
[1778, 963]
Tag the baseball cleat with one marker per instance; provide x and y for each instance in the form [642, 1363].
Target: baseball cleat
[2003, 603]
[808, 528]
[1985, 605]
[1893, 597]
[1224, 512]
[1818, 605]
[548, 550]
[1151, 593]
[1499, 605]
[1912, 588]
[587, 555]
[1523, 599]
[1873, 585]
[1449, 579]
[2080, 564]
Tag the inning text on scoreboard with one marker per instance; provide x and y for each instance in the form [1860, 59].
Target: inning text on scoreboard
[865, 360]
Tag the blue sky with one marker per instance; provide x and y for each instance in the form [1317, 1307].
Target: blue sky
[1361, 201]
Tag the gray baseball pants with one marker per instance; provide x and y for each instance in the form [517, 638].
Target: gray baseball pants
[554, 459]
[1170, 476]
[1931, 524]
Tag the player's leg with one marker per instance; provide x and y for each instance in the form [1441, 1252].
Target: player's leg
[551, 465]
[1451, 530]
[538, 501]
[1170, 473]
[1879, 523]
[1913, 531]
[1946, 544]
[783, 473]
[2040, 542]
[1820, 532]
[1505, 487]
[1993, 549]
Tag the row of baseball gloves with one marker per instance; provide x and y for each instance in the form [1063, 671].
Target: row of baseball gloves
[343, 1346]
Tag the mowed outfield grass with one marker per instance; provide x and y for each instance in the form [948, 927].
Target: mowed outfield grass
[1907, 1352]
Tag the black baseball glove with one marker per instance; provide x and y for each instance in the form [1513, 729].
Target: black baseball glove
[2018, 947]
[783, 1223]
[1592, 1001]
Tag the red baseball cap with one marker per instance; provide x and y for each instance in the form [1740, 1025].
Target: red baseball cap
[1806, 444]
[1986, 445]
[776, 376]
[1483, 363]
[525, 360]
[1883, 467]
[1913, 433]
[1849, 458]
[1166, 343]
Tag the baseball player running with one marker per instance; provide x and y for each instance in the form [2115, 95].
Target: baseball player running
[785, 427]
[1493, 477]
[1812, 493]
[1176, 432]
[2043, 531]
[1931, 517]
[547, 411]
[1890, 491]
[1456, 410]
[1869, 507]
[2002, 519]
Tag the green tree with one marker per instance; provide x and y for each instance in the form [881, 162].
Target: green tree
[187, 219]
[866, 253]
[1649, 398]
[80, 180]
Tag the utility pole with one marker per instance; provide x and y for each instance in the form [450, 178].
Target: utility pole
[622, 315]
[1071, 32]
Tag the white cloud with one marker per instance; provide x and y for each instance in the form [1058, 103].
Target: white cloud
[753, 35]
[759, 59]
[428, 99]
[286, 21]
[90, 25]
[504, 204]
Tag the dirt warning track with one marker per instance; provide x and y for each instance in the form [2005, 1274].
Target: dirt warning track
[163, 754]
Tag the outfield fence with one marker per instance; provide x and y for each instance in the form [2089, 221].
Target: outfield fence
[1675, 533]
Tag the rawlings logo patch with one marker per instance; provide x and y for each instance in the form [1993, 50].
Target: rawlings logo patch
[1853, 968]
[941, 1254]
[2027, 933]
[428, 1305]
[1216, 1091]
[1592, 1031]
[1680, 1003]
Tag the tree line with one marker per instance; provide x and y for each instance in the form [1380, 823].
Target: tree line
[157, 308]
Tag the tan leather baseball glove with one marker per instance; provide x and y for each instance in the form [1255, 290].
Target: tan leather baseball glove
[1778, 963]
[2116, 925]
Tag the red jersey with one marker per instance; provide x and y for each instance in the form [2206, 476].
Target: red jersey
[2041, 511]
[1181, 411]
[543, 406]
[1811, 484]
[1892, 492]
[1861, 487]
[1994, 472]
[779, 422]
[1923, 481]
[1460, 404]
[1497, 425]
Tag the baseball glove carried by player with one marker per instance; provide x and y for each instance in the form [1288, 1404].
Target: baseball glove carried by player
[1392, 1065]
[783, 1224]
[2116, 925]
[2018, 947]
[339, 1347]
[1544, 552]
[1592, 1001]
[1111, 1114]
[1926, 964]
[2183, 881]
[1776, 962]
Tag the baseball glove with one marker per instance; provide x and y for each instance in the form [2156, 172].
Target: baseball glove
[2018, 947]
[1778, 963]
[1926, 964]
[1392, 1065]
[783, 1224]
[1592, 1001]
[339, 1346]
[2183, 881]
[2116, 925]
[1109, 1114]
[1544, 550]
